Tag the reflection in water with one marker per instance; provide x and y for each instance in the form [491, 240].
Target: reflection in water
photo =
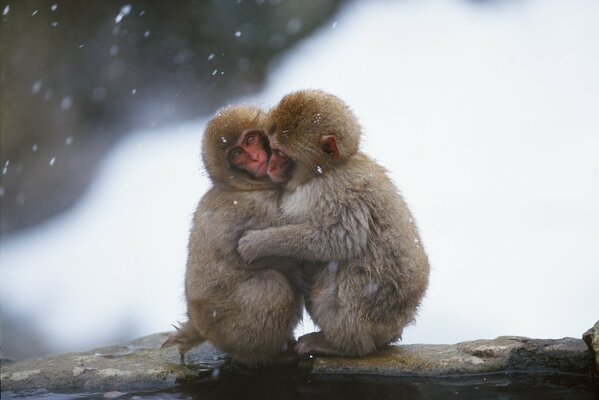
[289, 384]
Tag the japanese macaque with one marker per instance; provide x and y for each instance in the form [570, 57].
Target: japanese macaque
[246, 311]
[369, 270]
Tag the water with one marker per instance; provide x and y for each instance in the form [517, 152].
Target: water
[288, 384]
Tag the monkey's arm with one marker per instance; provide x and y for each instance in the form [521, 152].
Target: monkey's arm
[304, 242]
[283, 264]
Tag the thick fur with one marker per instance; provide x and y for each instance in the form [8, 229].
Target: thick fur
[370, 271]
[249, 313]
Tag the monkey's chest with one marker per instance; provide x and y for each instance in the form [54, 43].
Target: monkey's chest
[299, 205]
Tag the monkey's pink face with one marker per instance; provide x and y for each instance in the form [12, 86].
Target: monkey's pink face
[250, 153]
[279, 165]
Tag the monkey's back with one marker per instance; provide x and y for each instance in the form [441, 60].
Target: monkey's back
[378, 263]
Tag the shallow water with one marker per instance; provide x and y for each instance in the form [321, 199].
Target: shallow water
[288, 384]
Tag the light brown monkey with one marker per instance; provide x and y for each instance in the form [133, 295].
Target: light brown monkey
[346, 216]
[246, 312]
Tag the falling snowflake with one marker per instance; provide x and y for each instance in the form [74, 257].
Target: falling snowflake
[125, 10]
[66, 103]
[37, 86]
[333, 266]
[319, 169]
[370, 288]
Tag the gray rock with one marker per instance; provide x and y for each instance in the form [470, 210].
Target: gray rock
[591, 337]
[142, 365]
[506, 353]
[136, 365]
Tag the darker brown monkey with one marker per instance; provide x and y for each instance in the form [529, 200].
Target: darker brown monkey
[344, 215]
[249, 313]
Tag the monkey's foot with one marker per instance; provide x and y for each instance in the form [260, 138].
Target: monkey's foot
[315, 344]
[284, 358]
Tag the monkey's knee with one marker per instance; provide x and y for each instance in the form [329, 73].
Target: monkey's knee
[258, 322]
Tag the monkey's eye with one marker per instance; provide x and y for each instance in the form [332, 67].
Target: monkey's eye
[272, 129]
[235, 155]
[282, 155]
[250, 139]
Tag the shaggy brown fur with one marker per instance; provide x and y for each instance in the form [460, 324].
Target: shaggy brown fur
[249, 313]
[345, 216]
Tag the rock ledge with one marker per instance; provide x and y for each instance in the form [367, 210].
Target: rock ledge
[141, 364]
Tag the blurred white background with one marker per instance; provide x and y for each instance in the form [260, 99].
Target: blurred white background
[487, 118]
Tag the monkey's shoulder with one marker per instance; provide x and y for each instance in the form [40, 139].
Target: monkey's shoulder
[220, 205]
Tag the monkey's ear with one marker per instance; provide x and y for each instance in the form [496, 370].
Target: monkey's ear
[328, 144]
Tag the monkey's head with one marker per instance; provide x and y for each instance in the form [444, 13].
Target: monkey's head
[310, 132]
[235, 149]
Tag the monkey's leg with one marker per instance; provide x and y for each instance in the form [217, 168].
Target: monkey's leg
[355, 315]
[254, 323]
[315, 344]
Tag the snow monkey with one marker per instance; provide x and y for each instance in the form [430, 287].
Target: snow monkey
[249, 313]
[344, 215]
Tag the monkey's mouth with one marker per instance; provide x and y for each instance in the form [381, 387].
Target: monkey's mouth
[261, 170]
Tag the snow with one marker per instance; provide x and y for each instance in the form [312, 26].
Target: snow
[125, 10]
[66, 103]
[37, 86]
[485, 117]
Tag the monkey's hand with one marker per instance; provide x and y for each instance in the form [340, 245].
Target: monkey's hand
[252, 244]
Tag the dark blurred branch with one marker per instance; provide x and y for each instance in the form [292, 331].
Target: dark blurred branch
[76, 77]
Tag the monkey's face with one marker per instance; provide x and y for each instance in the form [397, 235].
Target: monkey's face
[250, 153]
[280, 164]
[310, 132]
[235, 149]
